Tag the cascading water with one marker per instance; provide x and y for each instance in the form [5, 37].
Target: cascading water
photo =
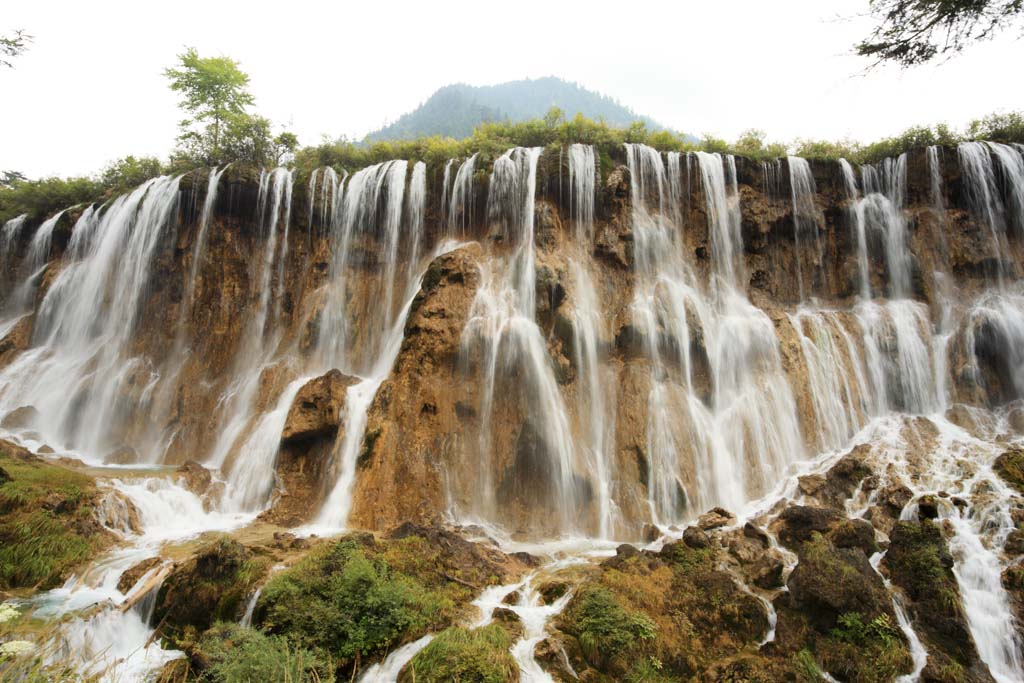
[739, 440]
[79, 370]
[806, 216]
[461, 204]
[593, 410]
[502, 332]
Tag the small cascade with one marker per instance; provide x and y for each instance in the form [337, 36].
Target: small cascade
[463, 201]
[582, 189]
[806, 217]
[209, 202]
[985, 199]
[415, 210]
[446, 182]
[9, 236]
[33, 265]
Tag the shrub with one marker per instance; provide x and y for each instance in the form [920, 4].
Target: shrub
[349, 603]
[607, 633]
[468, 656]
[243, 655]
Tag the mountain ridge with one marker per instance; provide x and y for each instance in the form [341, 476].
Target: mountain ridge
[455, 110]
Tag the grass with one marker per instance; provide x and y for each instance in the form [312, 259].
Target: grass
[46, 522]
[467, 656]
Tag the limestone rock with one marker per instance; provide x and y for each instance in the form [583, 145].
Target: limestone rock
[316, 410]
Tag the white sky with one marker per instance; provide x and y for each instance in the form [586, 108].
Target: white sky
[91, 88]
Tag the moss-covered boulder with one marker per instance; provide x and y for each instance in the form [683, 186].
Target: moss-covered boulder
[1010, 466]
[211, 586]
[838, 617]
[918, 561]
[359, 597]
[48, 521]
[466, 655]
[659, 616]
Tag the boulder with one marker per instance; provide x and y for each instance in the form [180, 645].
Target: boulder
[919, 562]
[829, 582]
[316, 410]
[20, 418]
[715, 518]
[195, 477]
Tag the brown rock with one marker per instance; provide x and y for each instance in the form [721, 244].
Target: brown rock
[134, 573]
[715, 518]
[20, 418]
[316, 410]
[696, 538]
[195, 477]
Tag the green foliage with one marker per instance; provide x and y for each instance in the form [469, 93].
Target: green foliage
[46, 525]
[1010, 467]
[607, 632]
[349, 603]
[1001, 127]
[912, 32]
[852, 629]
[243, 655]
[42, 198]
[214, 92]
[754, 144]
[12, 46]
[468, 656]
[125, 174]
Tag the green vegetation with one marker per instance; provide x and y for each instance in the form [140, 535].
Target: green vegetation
[12, 46]
[46, 521]
[912, 32]
[608, 634]
[236, 654]
[457, 110]
[215, 96]
[871, 652]
[346, 599]
[468, 656]
[212, 586]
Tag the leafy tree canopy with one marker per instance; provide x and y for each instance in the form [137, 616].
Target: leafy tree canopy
[912, 32]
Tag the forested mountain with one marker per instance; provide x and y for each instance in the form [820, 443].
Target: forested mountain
[455, 110]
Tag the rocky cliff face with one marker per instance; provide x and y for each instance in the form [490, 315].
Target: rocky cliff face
[247, 287]
[558, 344]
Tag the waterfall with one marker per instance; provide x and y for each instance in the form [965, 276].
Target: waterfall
[33, 265]
[79, 373]
[209, 202]
[359, 217]
[460, 208]
[595, 415]
[503, 333]
[806, 216]
[738, 440]
[260, 339]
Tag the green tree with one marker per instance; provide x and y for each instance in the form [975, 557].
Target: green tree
[12, 46]
[214, 93]
[912, 32]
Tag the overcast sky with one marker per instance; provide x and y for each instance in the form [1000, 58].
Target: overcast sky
[91, 88]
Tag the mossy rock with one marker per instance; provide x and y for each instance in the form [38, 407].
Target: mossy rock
[211, 586]
[919, 562]
[465, 655]
[359, 597]
[1010, 466]
[48, 525]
